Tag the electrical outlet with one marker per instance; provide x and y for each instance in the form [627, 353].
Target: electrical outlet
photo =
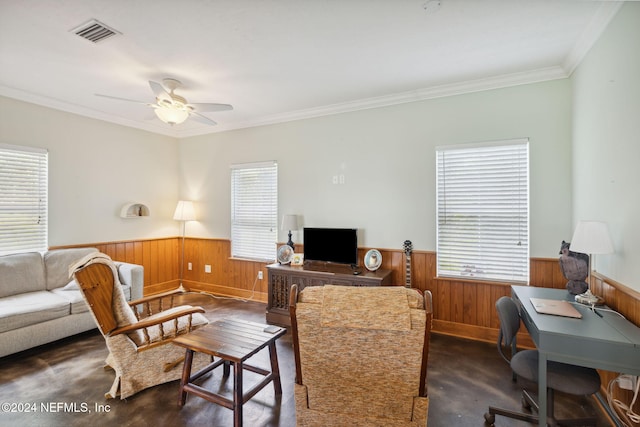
[259, 275]
[207, 268]
[627, 382]
[189, 266]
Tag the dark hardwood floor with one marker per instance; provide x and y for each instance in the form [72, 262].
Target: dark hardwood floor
[464, 377]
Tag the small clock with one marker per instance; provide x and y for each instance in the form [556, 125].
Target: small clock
[285, 254]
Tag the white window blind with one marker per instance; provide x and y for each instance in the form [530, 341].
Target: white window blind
[254, 210]
[23, 199]
[483, 211]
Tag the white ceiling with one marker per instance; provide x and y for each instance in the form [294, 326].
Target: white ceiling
[279, 60]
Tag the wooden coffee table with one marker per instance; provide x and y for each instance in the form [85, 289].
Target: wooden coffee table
[233, 341]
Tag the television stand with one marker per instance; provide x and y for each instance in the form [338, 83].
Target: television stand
[282, 277]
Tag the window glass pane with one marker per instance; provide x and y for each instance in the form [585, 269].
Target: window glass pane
[483, 211]
[254, 210]
[23, 199]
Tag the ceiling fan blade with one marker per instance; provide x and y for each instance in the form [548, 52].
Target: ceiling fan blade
[159, 90]
[211, 107]
[202, 119]
[124, 99]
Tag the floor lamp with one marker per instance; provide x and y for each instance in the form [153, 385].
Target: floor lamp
[591, 238]
[184, 212]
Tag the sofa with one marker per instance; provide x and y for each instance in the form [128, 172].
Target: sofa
[41, 303]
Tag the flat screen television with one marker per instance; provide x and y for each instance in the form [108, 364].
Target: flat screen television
[339, 245]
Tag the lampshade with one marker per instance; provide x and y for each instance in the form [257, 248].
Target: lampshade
[289, 222]
[184, 211]
[171, 114]
[592, 237]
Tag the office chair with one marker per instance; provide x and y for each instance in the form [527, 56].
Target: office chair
[571, 379]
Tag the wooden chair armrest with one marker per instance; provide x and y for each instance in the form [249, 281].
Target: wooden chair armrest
[146, 323]
[154, 297]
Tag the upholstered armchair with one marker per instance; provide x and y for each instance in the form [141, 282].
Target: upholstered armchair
[361, 355]
[140, 349]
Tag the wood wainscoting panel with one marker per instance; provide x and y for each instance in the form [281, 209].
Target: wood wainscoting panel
[229, 276]
[159, 258]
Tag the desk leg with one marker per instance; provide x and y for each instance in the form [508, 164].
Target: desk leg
[186, 373]
[542, 389]
[275, 370]
[238, 398]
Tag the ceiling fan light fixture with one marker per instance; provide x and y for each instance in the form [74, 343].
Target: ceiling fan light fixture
[170, 114]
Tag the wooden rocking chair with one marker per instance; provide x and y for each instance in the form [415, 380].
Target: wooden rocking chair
[140, 349]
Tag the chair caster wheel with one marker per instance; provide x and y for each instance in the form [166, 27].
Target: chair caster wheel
[489, 419]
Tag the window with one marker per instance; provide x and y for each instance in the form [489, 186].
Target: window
[254, 210]
[23, 199]
[483, 211]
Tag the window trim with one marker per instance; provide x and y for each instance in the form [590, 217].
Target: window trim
[465, 249]
[245, 252]
[32, 237]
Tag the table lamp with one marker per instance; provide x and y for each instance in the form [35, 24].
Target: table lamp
[184, 212]
[290, 222]
[591, 238]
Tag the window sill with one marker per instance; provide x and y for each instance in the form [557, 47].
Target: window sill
[480, 281]
[261, 261]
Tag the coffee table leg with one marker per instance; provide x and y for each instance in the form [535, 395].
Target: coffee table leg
[275, 370]
[237, 394]
[186, 373]
[225, 368]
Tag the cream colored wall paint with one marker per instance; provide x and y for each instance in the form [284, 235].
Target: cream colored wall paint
[387, 158]
[94, 169]
[606, 146]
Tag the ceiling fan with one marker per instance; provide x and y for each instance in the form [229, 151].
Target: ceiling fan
[174, 109]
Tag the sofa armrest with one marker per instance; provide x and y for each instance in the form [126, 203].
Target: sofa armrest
[132, 275]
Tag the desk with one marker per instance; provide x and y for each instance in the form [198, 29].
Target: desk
[609, 342]
[233, 341]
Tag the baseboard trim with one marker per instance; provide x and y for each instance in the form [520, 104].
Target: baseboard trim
[476, 333]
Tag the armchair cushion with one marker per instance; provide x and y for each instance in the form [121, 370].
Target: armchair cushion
[372, 308]
[315, 418]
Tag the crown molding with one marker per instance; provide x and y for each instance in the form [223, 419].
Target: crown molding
[591, 34]
[66, 107]
[490, 83]
[441, 91]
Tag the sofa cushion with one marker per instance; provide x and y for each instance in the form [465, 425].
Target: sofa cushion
[57, 263]
[74, 298]
[28, 308]
[21, 273]
[78, 304]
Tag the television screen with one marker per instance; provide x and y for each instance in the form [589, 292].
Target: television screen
[338, 245]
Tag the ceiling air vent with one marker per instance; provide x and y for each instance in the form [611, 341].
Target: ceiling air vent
[94, 31]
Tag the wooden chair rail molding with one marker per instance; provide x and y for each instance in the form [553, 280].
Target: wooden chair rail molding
[461, 307]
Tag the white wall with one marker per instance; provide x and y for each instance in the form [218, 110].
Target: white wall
[94, 169]
[606, 146]
[387, 158]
